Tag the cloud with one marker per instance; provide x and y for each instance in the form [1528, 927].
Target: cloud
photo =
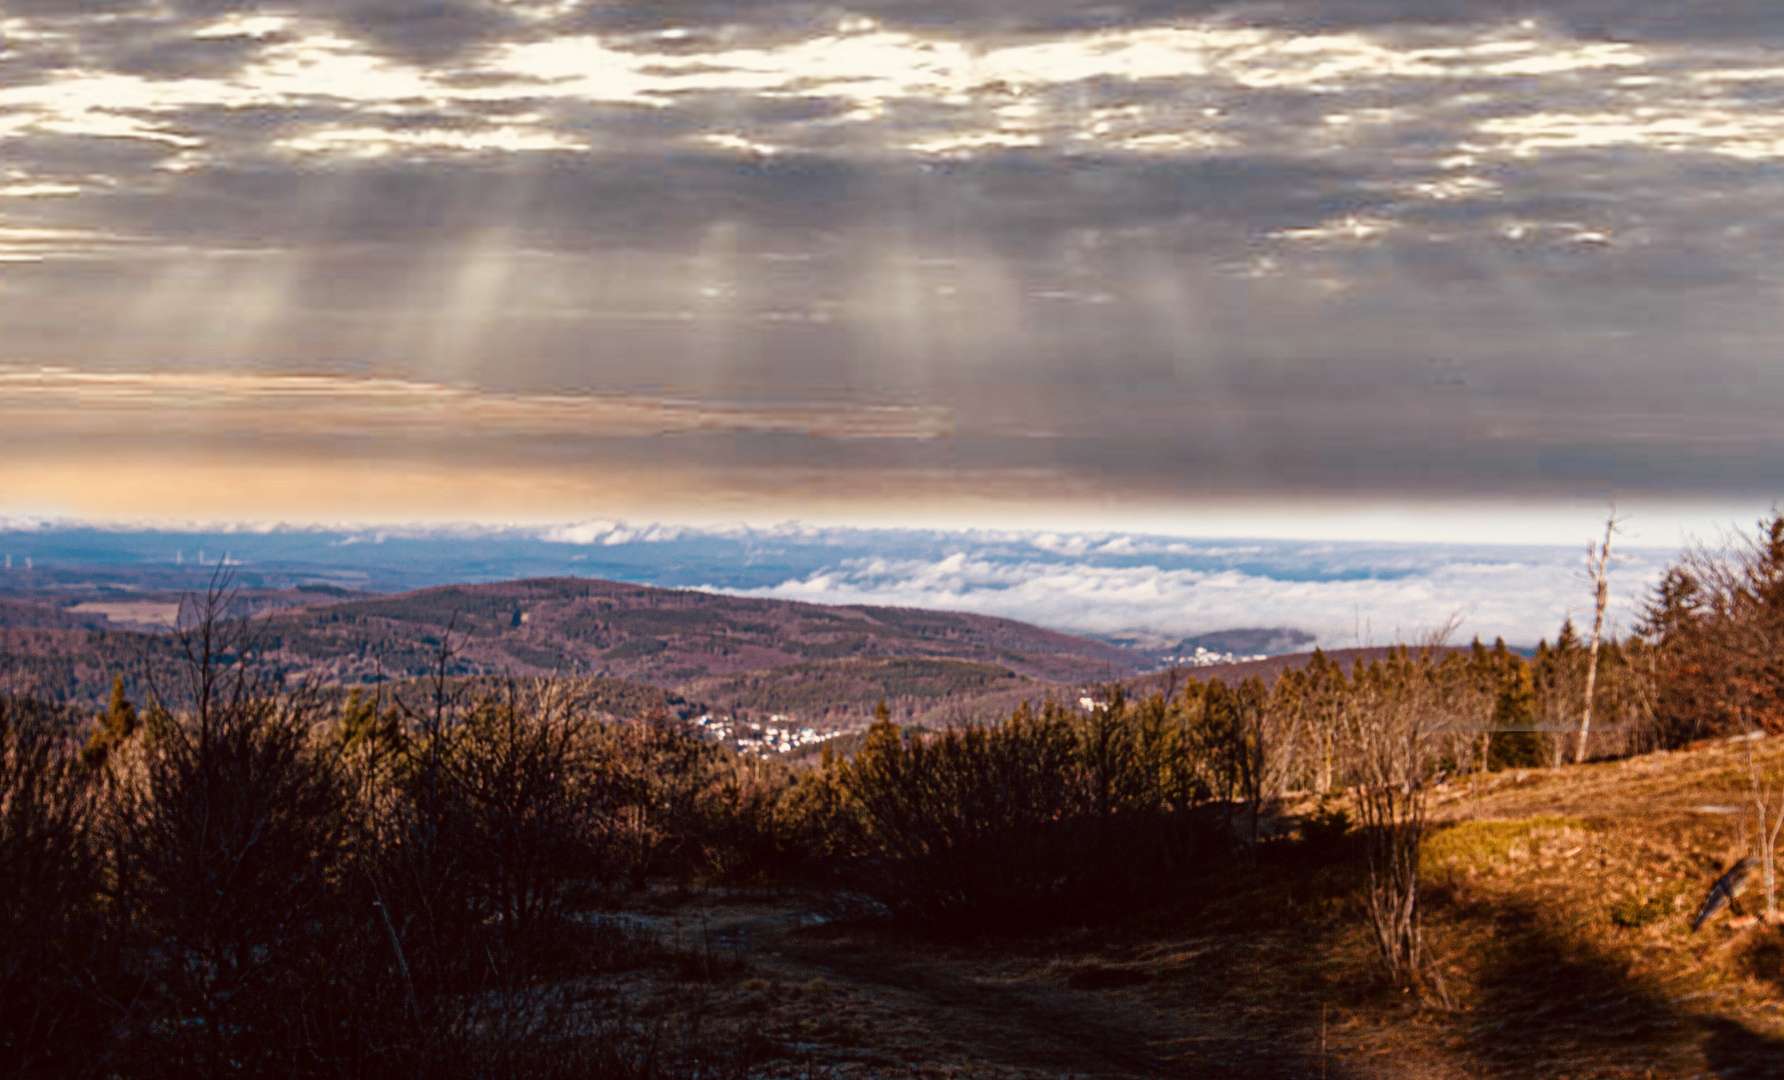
[1173, 246]
[612, 533]
[1744, 20]
[61, 402]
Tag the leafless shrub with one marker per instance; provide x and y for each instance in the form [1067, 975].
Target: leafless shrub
[672, 781]
[226, 837]
[251, 879]
[1405, 707]
[529, 807]
[764, 822]
[1047, 815]
[49, 876]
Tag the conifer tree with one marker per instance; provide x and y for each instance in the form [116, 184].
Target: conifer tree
[1515, 743]
[117, 725]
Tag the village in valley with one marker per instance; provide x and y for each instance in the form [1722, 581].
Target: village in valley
[764, 739]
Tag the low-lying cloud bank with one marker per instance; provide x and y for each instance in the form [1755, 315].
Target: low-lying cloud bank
[1343, 594]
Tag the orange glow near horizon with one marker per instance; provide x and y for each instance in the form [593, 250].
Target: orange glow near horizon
[177, 487]
[259, 487]
[239, 448]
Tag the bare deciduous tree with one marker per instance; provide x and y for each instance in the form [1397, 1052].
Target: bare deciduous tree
[1404, 707]
[1393, 770]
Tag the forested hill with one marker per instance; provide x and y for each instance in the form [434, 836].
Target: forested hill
[565, 626]
[1166, 682]
[823, 664]
[662, 636]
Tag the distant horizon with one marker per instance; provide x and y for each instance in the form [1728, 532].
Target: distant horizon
[1105, 583]
[1643, 522]
[220, 449]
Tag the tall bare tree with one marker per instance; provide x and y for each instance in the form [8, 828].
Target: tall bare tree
[1598, 563]
[1770, 826]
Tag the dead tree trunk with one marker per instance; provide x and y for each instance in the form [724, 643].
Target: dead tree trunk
[1598, 562]
[1766, 834]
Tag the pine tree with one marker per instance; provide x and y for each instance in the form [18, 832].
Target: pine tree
[1761, 665]
[1515, 744]
[362, 727]
[1568, 640]
[117, 725]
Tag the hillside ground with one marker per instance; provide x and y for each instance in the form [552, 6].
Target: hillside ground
[1558, 905]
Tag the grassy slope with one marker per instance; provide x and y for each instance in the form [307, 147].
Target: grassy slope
[1526, 878]
[1577, 933]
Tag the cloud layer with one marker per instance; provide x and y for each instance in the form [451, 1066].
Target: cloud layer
[62, 402]
[1345, 595]
[1131, 585]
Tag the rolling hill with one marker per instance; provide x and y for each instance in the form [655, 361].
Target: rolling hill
[828, 660]
[826, 666]
[664, 637]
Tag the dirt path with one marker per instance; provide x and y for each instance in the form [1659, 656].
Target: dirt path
[1011, 1024]
[907, 1005]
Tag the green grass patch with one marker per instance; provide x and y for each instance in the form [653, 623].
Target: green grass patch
[1490, 841]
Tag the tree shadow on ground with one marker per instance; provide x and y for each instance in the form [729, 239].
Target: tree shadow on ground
[1542, 994]
[1245, 963]
[1548, 1002]
[1245, 959]
[1071, 1026]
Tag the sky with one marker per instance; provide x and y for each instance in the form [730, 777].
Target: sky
[1341, 269]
